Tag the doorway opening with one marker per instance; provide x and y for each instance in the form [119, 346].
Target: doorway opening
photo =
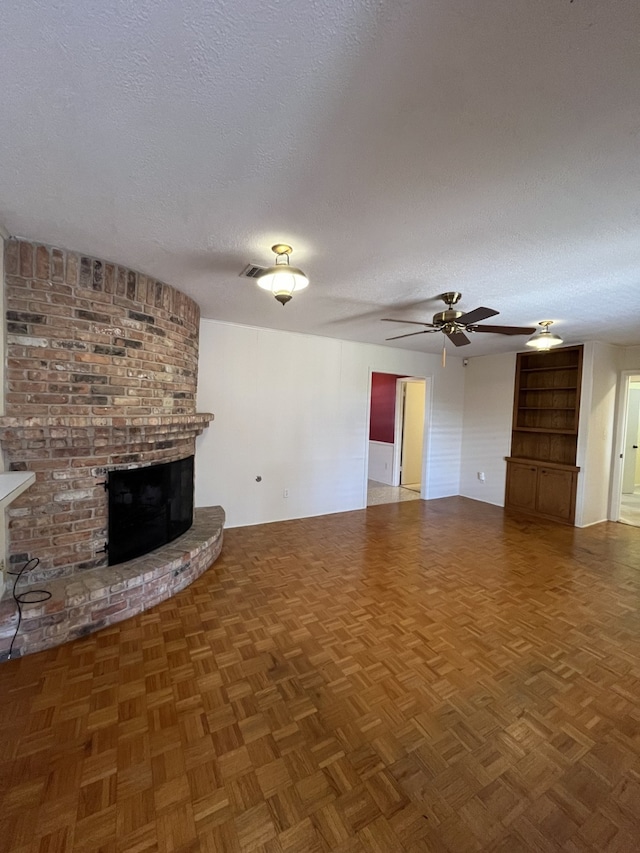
[398, 432]
[409, 443]
[629, 476]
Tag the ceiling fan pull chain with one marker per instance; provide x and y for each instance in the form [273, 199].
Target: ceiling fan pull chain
[444, 351]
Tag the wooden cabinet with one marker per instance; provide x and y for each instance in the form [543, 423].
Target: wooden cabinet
[522, 484]
[541, 471]
[556, 494]
[545, 490]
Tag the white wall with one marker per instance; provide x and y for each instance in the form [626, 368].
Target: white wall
[630, 359]
[294, 409]
[488, 408]
[381, 462]
[600, 371]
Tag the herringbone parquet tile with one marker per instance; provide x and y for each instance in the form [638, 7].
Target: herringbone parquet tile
[413, 677]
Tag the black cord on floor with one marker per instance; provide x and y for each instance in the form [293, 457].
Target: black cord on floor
[29, 596]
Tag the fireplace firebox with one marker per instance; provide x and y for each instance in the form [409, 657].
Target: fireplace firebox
[148, 507]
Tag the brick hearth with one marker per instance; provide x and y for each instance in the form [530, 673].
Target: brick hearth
[101, 597]
[101, 374]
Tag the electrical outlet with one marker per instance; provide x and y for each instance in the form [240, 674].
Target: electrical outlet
[285, 493]
[481, 476]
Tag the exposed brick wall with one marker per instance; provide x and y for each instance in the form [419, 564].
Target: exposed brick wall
[101, 373]
[87, 337]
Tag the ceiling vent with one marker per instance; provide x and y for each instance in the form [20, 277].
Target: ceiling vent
[251, 271]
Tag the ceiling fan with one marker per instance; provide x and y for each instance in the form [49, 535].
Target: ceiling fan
[454, 323]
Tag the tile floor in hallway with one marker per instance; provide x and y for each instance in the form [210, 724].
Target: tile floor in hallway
[380, 493]
[419, 676]
[630, 508]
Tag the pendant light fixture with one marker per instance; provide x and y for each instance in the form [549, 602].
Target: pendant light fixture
[545, 339]
[282, 279]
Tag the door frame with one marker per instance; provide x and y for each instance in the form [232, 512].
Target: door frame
[622, 404]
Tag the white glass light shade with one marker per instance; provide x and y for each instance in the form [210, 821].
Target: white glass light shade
[544, 341]
[282, 278]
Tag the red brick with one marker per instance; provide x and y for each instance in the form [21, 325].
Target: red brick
[12, 258]
[57, 265]
[26, 259]
[42, 263]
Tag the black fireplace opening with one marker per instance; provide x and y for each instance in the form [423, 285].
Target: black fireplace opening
[148, 507]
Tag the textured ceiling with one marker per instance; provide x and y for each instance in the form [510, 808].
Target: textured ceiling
[403, 147]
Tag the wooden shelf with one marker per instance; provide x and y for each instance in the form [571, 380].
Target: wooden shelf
[551, 367]
[550, 388]
[522, 460]
[546, 430]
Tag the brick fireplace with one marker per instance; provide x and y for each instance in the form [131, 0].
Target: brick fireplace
[101, 372]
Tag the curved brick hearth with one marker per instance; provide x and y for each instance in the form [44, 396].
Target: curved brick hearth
[95, 599]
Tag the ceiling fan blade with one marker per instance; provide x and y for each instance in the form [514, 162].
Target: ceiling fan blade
[504, 330]
[476, 315]
[410, 334]
[459, 339]
[413, 322]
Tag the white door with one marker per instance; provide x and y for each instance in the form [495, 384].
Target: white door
[631, 458]
[412, 433]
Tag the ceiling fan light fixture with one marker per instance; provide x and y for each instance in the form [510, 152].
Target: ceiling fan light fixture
[282, 279]
[544, 340]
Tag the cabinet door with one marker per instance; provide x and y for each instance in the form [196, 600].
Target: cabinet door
[521, 485]
[556, 493]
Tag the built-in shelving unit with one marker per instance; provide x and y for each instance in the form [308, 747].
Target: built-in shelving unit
[541, 471]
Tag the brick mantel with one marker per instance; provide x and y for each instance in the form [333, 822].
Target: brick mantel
[148, 429]
[160, 423]
[97, 442]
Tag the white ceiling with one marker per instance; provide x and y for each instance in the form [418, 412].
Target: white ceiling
[403, 147]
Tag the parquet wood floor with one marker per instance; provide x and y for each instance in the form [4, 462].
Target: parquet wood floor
[412, 677]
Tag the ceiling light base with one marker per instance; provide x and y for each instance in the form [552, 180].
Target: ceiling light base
[281, 249]
[451, 298]
[283, 298]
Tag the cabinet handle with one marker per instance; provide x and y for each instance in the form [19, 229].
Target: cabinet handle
[543, 471]
[532, 469]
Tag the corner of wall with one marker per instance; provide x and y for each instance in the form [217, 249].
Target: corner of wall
[486, 438]
[596, 437]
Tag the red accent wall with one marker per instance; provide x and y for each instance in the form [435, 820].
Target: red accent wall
[383, 406]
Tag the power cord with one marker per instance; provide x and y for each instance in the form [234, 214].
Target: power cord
[29, 596]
